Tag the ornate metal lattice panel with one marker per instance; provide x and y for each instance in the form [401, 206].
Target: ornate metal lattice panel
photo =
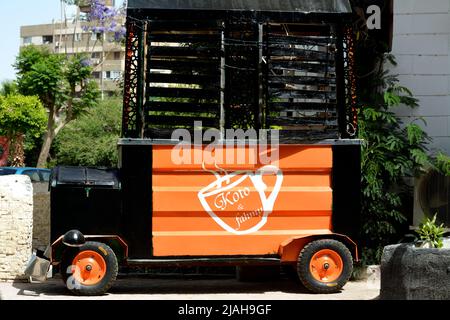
[133, 90]
[301, 81]
[183, 76]
[350, 83]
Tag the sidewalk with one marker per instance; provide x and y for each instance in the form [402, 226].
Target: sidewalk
[190, 289]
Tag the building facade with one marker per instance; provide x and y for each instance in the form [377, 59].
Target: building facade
[422, 46]
[107, 56]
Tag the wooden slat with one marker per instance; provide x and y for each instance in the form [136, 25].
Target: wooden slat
[301, 54]
[182, 107]
[208, 52]
[302, 94]
[301, 80]
[185, 65]
[166, 133]
[180, 121]
[184, 25]
[186, 38]
[301, 66]
[205, 80]
[183, 93]
[281, 106]
[312, 134]
[276, 40]
[299, 122]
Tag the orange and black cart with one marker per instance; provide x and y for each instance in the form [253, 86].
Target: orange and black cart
[239, 147]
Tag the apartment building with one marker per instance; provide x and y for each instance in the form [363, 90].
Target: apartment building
[107, 56]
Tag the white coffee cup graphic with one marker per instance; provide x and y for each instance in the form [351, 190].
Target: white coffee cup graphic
[245, 193]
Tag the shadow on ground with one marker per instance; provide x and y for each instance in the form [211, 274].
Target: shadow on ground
[153, 285]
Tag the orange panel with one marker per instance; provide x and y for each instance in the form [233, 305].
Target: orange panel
[214, 207]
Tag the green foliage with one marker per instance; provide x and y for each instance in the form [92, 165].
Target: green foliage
[432, 233]
[391, 151]
[62, 83]
[92, 139]
[443, 164]
[21, 114]
[8, 87]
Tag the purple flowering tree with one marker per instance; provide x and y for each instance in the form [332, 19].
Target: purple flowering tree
[105, 20]
[100, 18]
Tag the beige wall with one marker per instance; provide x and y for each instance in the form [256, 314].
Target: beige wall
[16, 224]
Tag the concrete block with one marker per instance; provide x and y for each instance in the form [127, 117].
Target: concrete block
[409, 273]
[421, 6]
[426, 85]
[422, 23]
[436, 44]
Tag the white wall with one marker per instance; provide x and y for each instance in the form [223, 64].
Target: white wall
[422, 47]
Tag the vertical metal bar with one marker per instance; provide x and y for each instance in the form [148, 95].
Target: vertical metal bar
[222, 83]
[141, 81]
[340, 82]
[260, 77]
[128, 87]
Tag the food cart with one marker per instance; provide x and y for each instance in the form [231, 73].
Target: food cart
[239, 148]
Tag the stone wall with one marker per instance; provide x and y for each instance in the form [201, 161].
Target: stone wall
[16, 224]
[410, 273]
[41, 216]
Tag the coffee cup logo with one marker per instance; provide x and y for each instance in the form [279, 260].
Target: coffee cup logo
[238, 202]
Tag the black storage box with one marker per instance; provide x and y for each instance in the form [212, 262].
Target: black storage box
[86, 199]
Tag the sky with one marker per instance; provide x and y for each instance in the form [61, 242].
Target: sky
[16, 13]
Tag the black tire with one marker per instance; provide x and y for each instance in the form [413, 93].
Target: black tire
[307, 278]
[99, 288]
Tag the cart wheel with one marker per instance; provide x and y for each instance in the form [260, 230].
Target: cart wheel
[324, 266]
[89, 270]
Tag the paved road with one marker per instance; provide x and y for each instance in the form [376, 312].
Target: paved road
[196, 288]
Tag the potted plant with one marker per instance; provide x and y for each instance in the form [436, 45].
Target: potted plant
[431, 235]
[418, 270]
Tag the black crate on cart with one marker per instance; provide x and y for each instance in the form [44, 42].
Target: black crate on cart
[86, 199]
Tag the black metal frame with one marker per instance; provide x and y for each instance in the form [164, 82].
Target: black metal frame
[136, 110]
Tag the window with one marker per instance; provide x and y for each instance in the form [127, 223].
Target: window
[47, 39]
[5, 172]
[115, 75]
[34, 175]
[96, 75]
[112, 75]
[96, 36]
[27, 40]
[96, 55]
[117, 56]
[45, 176]
[78, 37]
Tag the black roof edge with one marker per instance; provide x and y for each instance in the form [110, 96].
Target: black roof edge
[285, 6]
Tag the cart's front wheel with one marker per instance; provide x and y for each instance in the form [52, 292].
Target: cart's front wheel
[325, 266]
[89, 270]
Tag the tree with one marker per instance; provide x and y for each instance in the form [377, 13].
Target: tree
[63, 85]
[8, 87]
[101, 20]
[91, 140]
[20, 116]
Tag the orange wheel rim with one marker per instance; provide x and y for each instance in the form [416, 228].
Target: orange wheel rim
[88, 268]
[326, 266]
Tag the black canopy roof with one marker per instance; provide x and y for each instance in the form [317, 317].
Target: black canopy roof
[303, 6]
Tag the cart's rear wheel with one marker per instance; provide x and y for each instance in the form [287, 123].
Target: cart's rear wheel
[89, 270]
[325, 266]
